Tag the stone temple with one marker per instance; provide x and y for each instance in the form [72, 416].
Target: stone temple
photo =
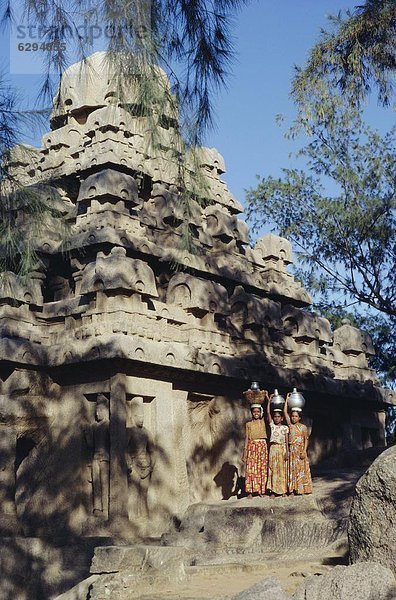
[121, 376]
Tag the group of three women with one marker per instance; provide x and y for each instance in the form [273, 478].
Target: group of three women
[280, 466]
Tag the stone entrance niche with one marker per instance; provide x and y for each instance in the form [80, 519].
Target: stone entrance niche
[121, 377]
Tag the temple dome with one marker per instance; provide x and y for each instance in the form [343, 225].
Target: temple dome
[96, 82]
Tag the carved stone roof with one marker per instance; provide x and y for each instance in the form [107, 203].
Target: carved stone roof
[230, 310]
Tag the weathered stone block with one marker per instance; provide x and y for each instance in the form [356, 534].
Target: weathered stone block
[306, 326]
[192, 292]
[271, 246]
[138, 559]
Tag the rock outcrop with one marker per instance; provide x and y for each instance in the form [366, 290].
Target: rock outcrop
[372, 523]
[112, 319]
[363, 581]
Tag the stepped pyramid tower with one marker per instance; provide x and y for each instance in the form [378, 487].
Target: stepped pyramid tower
[121, 377]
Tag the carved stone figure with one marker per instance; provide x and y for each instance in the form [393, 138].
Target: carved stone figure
[140, 461]
[98, 440]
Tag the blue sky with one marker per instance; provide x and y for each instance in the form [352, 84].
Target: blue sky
[270, 38]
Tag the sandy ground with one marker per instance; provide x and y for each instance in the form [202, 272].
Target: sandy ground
[222, 582]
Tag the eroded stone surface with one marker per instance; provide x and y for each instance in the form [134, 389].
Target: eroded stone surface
[218, 533]
[366, 581]
[372, 524]
[139, 559]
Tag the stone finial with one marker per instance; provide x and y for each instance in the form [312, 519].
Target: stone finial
[118, 271]
[221, 224]
[273, 247]
[27, 291]
[305, 326]
[252, 311]
[166, 209]
[210, 158]
[194, 293]
[352, 340]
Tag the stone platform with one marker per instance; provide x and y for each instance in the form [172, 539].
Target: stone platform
[258, 528]
[221, 547]
[212, 533]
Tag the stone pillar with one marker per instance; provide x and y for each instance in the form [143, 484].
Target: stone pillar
[168, 493]
[347, 431]
[381, 417]
[171, 426]
[118, 511]
[180, 445]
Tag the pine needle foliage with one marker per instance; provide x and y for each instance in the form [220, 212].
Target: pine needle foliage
[25, 212]
[355, 56]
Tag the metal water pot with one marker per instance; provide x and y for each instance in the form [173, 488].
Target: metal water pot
[296, 400]
[277, 401]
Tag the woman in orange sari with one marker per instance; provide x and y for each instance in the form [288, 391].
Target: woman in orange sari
[300, 481]
[255, 454]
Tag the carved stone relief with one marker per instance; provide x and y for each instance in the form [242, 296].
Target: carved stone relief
[98, 440]
[140, 461]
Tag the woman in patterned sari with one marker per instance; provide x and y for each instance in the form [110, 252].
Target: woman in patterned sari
[300, 481]
[255, 454]
[278, 453]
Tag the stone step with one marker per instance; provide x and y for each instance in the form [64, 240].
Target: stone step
[219, 531]
[139, 559]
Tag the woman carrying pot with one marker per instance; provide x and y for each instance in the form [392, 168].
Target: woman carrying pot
[300, 481]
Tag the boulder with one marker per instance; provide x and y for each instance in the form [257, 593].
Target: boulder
[267, 589]
[372, 523]
[363, 581]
